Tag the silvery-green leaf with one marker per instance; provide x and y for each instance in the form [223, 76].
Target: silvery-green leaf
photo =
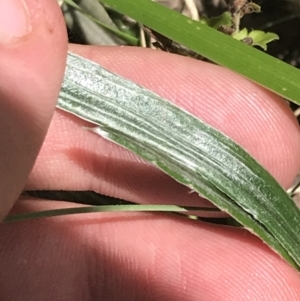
[187, 149]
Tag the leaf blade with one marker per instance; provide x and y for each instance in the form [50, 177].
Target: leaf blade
[257, 66]
[187, 149]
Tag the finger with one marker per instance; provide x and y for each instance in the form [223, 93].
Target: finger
[137, 257]
[255, 118]
[32, 60]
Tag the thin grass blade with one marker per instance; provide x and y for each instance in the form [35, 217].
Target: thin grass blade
[256, 65]
[105, 208]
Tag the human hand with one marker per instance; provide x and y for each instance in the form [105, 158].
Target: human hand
[128, 256]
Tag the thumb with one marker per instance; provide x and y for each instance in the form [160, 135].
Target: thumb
[33, 47]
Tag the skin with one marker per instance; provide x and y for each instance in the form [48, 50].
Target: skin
[133, 256]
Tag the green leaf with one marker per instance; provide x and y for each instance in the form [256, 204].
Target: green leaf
[104, 208]
[261, 38]
[261, 68]
[240, 35]
[187, 149]
[258, 37]
[223, 20]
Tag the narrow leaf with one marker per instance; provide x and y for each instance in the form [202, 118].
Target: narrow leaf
[256, 65]
[104, 208]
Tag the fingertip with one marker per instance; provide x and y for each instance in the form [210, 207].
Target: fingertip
[32, 68]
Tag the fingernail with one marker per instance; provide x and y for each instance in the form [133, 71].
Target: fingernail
[14, 20]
